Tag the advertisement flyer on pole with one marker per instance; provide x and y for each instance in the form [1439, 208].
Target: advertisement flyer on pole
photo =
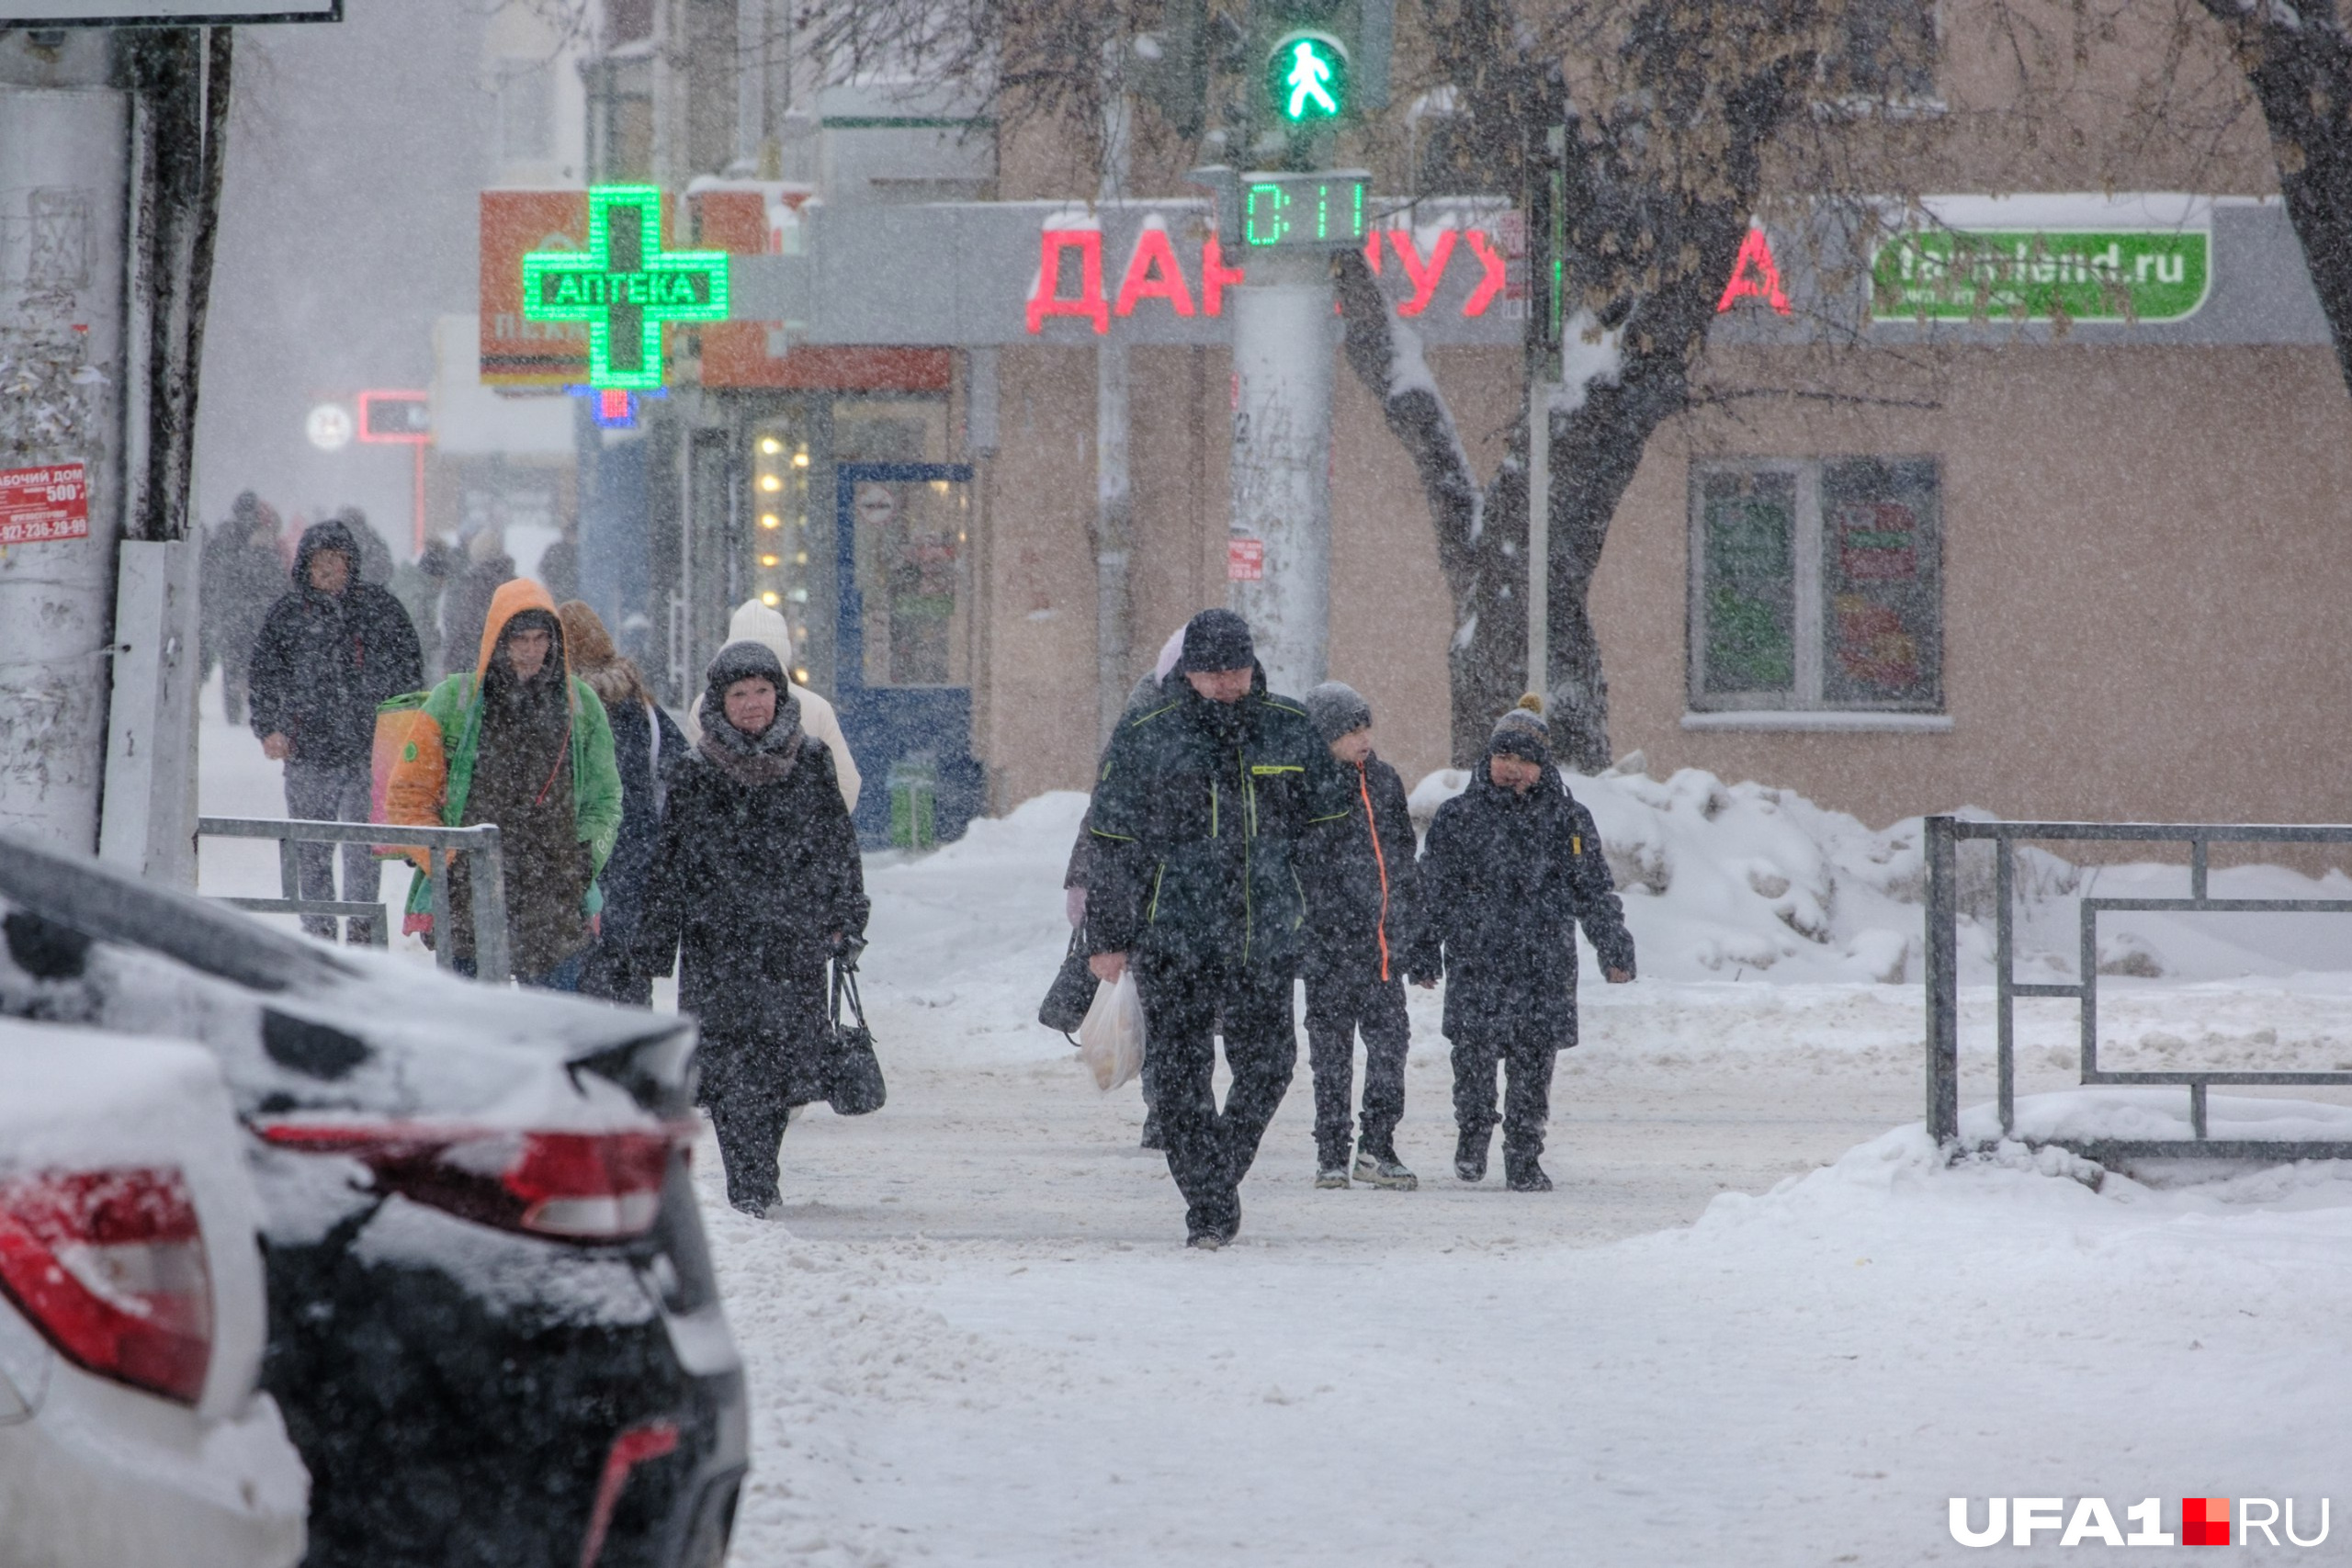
[40, 506]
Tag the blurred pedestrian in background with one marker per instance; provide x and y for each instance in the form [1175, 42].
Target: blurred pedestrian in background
[558, 567]
[756, 883]
[327, 653]
[1360, 926]
[1513, 865]
[519, 742]
[647, 743]
[240, 575]
[418, 585]
[465, 607]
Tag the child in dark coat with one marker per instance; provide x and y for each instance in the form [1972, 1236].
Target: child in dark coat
[1359, 907]
[1512, 866]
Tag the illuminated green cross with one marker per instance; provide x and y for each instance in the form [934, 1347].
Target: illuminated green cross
[625, 287]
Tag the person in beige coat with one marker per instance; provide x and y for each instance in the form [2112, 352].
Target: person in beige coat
[755, 622]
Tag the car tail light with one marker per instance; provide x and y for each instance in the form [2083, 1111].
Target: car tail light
[109, 1266]
[577, 1185]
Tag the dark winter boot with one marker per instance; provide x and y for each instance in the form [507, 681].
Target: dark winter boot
[1377, 1165]
[1523, 1175]
[1470, 1156]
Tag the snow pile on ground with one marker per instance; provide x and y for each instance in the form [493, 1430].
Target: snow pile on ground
[1746, 882]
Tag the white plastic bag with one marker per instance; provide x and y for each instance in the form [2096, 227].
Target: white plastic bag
[1111, 1040]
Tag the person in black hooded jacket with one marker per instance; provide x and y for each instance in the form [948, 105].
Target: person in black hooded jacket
[757, 883]
[1202, 817]
[1359, 924]
[1513, 865]
[328, 652]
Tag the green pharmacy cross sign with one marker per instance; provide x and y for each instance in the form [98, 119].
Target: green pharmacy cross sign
[624, 286]
[2146, 275]
[1306, 79]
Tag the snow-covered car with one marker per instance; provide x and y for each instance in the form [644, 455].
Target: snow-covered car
[494, 1329]
[133, 1432]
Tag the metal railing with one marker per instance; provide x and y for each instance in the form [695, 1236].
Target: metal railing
[1944, 834]
[486, 874]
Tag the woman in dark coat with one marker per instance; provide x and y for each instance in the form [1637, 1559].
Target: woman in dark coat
[756, 883]
[647, 743]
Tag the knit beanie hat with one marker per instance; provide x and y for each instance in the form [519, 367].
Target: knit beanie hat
[742, 662]
[1337, 710]
[1216, 639]
[1522, 733]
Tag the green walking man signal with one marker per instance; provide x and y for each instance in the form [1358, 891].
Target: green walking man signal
[624, 286]
[1307, 78]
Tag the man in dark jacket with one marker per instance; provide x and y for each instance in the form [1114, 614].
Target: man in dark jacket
[1511, 864]
[1201, 819]
[756, 884]
[242, 576]
[1360, 907]
[328, 652]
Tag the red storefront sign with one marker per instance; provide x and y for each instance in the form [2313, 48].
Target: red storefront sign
[516, 350]
[39, 505]
[1070, 279]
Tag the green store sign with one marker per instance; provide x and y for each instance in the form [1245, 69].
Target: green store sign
[2139, 275]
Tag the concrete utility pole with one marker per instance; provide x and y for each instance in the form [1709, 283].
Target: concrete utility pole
[1114, 486]
[1282, 366]
[112, 141]
[64, 178]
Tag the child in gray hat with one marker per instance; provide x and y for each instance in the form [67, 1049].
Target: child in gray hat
[1359, 910]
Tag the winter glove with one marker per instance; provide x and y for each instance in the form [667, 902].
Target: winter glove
[845, 949]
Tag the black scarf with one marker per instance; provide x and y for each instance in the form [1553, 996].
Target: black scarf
[766, 758]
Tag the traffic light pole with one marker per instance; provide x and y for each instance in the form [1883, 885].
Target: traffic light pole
[1282, 368]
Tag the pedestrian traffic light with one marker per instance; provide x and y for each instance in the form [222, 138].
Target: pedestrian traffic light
[1306, 79]
[1320, 61]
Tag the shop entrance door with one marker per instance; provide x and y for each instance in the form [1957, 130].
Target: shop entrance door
[905, 631]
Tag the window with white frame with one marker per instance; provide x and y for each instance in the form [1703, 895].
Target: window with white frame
[1816, 585]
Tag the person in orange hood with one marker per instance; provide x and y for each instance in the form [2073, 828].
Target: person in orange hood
[525, 744]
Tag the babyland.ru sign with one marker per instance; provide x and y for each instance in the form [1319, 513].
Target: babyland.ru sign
[2114, 275]
[2201, 1521]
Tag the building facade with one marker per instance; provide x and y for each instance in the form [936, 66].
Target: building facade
[1935, 556]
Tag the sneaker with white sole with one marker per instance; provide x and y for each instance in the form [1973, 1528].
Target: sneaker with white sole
[1384, 1170]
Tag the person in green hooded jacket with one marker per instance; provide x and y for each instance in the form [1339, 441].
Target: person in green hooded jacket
[521, 742]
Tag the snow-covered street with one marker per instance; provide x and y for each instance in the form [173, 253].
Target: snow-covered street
[1755, 1323]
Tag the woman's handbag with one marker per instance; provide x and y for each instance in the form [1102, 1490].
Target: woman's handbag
[853, 1084]
[1072, 993]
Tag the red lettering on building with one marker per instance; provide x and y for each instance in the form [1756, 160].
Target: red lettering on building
[1424, 280]
[1372, 251]
[1754, 275]
[1490, 282]
[1153, 274]
[1215, 276]
[1046, 299]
